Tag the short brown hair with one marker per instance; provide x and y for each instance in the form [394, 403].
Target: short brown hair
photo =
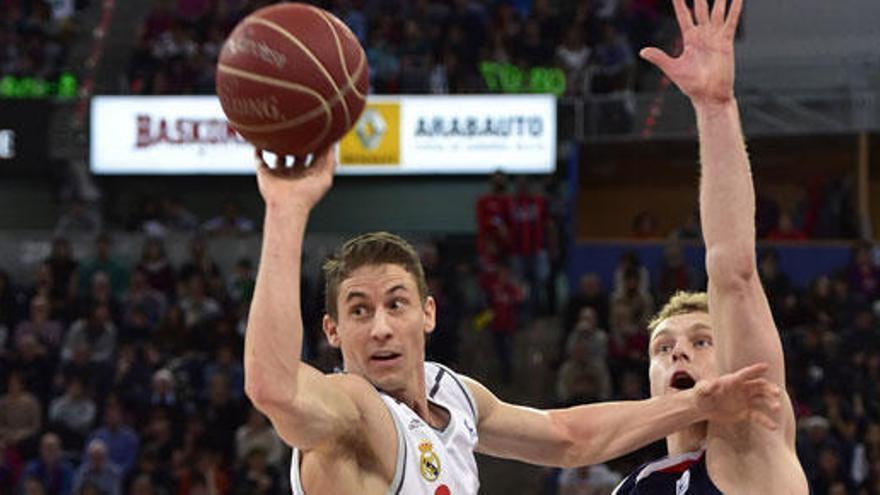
[682, 302]
[374, 248]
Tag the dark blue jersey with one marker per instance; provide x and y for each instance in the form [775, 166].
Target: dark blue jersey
[683, 474]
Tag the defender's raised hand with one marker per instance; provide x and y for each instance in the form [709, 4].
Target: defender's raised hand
[704, 70]
[300, 183]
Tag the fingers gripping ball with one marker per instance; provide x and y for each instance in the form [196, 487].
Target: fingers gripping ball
[292, 78]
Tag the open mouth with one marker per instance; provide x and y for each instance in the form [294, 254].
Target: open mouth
[385, 356]
[681, 380]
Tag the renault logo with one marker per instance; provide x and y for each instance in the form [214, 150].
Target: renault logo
[371, 129]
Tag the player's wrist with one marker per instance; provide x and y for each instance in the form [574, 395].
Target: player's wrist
[707, 109]
[287, 210]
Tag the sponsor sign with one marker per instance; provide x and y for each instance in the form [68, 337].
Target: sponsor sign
[395, 135]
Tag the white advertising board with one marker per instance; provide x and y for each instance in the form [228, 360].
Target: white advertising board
[407, 135]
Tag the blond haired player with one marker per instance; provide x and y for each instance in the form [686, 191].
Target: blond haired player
[700, 336]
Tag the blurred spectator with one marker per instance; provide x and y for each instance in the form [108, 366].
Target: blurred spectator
[104, 262]
[99, 471]
[78, 220]
[163, 395]
[632, 295]
[31, 362]
[121, 440]
[101, 294]
[199, 309]
[230, 223]
[628, 340]
[227, 363]
[155, 265]
[257, 433]
[131, 378]
[243, 281]
[199, 262]
[675, 274]
[20, 414]
[504, 294]
[97, 333]
[530, 263]
[573, 57]
[205, 477]
[176, 217]
[45, 331]
[615, 62]
[863, 273]
[589, 294]
[630, 260]
[495, 221]
[584, 376]
[222, 413]
[73, 414]
[50, 468]
[63, 270]
[776, 283]
[141, 296]
[257, 476]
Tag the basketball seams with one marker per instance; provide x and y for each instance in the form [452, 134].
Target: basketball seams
[271, 81]
[333, 24]
[310, 55]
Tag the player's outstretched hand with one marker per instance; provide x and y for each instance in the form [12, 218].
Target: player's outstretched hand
[740, 396]
[704, 70]
[296, 181]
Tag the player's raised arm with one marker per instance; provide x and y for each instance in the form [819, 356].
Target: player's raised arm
[590, 434]
[303, 404]
[744, 329]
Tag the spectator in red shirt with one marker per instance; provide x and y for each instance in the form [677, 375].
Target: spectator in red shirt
[494, 221]
[504, 294]
[530, 223]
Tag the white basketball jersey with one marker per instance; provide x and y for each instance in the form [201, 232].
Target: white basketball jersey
[429, 461]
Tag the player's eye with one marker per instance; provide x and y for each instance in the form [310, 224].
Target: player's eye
[397, 304]
[702, 343]
[663, 348]
[358, 311]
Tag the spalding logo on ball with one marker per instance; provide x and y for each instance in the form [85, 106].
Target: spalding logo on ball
[292, 78]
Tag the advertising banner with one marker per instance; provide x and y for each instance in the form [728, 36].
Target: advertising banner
[407, 135]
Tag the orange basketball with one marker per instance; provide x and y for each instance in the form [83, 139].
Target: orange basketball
[292, 78]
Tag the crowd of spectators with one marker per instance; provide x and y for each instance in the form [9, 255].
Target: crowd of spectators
[422, 46]
[34, 35]
[126, 377]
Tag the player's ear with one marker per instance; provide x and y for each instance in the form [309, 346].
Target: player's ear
[331, 330]
[430, 309]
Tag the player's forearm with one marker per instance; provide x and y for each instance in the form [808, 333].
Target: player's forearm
[727, 197]
[600, 432]
[273, 341]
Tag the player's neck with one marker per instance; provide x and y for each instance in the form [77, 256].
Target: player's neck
[690, 439]
[415, 396]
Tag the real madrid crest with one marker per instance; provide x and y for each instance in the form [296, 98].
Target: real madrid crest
[429, 463]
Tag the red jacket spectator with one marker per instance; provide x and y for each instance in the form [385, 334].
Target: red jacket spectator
[503, 295]
[529, 221]
[494, 221]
